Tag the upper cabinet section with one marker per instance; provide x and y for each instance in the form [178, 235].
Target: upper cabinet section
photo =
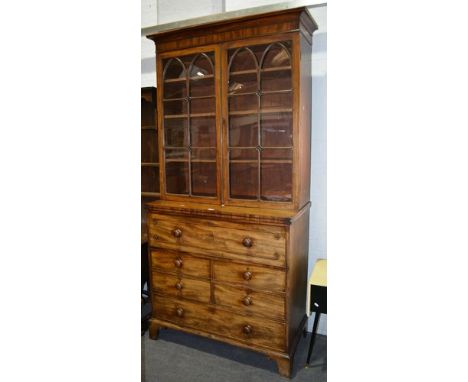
[234, 100]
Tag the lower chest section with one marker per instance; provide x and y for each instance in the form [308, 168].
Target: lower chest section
[221, 278]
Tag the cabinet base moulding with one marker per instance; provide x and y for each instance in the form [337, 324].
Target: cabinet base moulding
[284, 361]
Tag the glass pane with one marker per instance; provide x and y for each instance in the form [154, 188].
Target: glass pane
[243, 130]
[243, 83]
[243, 154]
[276, 181]
[173, 69]
[276, 101]
[276, 129]
[147, 113]
[276, 56]
[276, 154]
[177, 178]
[202, 87]
[201, 66]
[243, 103]
[149, 146]
[149, 179]
[175, 107]
[204, 179]
[204, 154]
[176, 154]
[243, 180]
[203, 131]
[187, 60]
[175, 90]
[242, 60]
[202, 105]
[276, 80]
[175, 132]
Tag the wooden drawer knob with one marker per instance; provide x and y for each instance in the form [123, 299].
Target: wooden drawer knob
[180, 312]
[179, 285]
[177, 232]
[247, 275]
[247, 329]
[178, 262]
[247, 300]
[247, 242]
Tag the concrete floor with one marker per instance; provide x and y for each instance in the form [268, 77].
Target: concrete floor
[180, 357]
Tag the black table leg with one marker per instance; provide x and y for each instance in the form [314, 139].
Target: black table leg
[312, 338]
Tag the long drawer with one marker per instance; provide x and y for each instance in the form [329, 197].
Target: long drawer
[252, 243]
[246, 329]
[192, 289]
[250, 276]
[250, 301]
[181, 264]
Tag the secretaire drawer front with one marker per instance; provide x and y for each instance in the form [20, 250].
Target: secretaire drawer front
[192, 289]
[247, 300]
[180, 263]
[250, 276]
[256, 243]
[208, 318]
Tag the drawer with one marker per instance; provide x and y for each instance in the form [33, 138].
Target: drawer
[251, 330]
[192, 289]
[250, 276]
[249, 301]
[252, 243]
[180, 264]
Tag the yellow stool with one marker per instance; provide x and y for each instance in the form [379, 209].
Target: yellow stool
[317, 298]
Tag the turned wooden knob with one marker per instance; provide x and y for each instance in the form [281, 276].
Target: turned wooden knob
[177, 232]
[180, 312]
[247, 300]
[247, 329]
[178, 262]
[247, 275]
[179, 285]
[247, 242]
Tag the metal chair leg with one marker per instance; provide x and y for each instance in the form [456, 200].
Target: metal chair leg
[312, 338]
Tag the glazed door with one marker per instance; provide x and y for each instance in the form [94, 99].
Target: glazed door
[149, 144]
[259, 124]
[189, 124]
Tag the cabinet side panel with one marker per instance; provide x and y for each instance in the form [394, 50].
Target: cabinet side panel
[297, 259]
[305, 127]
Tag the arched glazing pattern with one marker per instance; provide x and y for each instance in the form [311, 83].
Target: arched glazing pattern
[189, 125]
[260, 122]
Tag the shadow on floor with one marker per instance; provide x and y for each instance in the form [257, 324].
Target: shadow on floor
[182, 357]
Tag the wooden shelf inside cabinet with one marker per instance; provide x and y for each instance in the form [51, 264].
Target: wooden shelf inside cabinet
[171, 80]
[197, 115]
[261, 111]
[261, 161]
[205, 77]
[264, 70]
[228, 238]
[151, 194]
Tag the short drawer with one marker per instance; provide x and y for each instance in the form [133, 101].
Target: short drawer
[253, 243]
[180, 263]
[192, 289]
[250, 276]
[250, 301]
[207, 318]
